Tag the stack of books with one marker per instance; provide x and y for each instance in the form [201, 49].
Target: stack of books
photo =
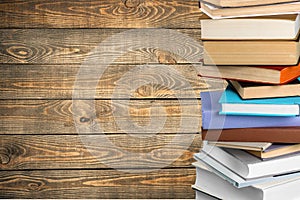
[250, 131]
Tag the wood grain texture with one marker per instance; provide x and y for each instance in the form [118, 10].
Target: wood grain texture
[72, 46]
[69, 152]
[99, 14]
[58, 82]
[98, 184]
[56, 116]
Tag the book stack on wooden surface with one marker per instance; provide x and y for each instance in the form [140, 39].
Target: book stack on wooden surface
[250, 131]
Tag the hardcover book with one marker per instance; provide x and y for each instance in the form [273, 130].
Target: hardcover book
[212, 120]
[212, 185]
[216, 12]
[257, 74]
[277, 27]
[233, 104]
[263, 134]
[249, 166]
[237, 52]
[251, 90]
[239, 3]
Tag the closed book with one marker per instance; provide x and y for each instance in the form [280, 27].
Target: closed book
[253, 146]
[256, 74]
[263, 134]
[276, 150]
[231, 177]
[211, 119]
[249, 166]
[216, 187]
[233, 104]
[251, 90]
[257, 52]
[277, 27]
[216, 12]
[239, 3]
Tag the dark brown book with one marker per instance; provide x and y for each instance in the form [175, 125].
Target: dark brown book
[273, 134]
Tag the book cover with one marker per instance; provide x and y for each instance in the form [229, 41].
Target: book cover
[277, 27]
[263, 134]
[256, 52]
[239, 3]
[276, 150]
[233, 104]
[251, 90]
[249, 166]
[256, 74]
[215, 186]
[212, 120]
[216, 12]
[237, 181]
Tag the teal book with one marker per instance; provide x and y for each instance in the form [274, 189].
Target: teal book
[233, 104]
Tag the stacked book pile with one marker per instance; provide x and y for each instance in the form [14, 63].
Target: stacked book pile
[250, 131]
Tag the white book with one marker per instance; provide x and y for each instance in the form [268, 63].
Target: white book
[232, 177]
[210, 183]
[203, 196]
[280, 27]
[249, 166]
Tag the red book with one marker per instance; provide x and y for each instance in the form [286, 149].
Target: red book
[272, 134]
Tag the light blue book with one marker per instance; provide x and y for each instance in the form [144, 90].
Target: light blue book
[233, 104]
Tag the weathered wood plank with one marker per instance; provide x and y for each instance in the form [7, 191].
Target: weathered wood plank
[56, 116]
[98, 184]
[74, 152]
[58, 82]
[99, 14]
[61, 46]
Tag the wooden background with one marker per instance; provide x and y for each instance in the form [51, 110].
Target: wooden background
[43, 43]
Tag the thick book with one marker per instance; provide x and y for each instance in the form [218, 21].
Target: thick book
[233, 104]
[253, 146]
[276, 150]
[234, 179]
[216, 12]
[277, 27]
[214, 186]
[240, 3]
[257, 74]
[256, 52]
[251, 90]
[212, 120]
[263, 134]
[249, 166]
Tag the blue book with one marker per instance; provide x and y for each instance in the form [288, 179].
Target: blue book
[233, 104]
[212, 120]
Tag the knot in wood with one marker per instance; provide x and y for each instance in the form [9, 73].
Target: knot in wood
[4, 158]
[131, 3]
[34, 186]
[84, 119]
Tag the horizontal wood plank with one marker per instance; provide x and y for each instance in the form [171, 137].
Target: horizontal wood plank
[62, 82]
[97, 151]
[73, 46]
[57, 116]
[99, 14]
[98, 184]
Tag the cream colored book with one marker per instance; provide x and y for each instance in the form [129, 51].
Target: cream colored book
[215, 12]
[250, 90]
[278, 27]
[251, 52]
[276, 150]
[253, 146]
[239, 3]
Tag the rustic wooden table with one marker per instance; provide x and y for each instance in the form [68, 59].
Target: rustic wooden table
[43, 44]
